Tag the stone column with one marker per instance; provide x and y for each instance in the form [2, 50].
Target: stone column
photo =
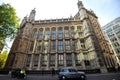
[56, 45]
[39, 62]
[34, 46]
[56, 61]
[82, 61]
[64, 57]
[48, 60]
[110, 64]
[73, 60]
[31, 63]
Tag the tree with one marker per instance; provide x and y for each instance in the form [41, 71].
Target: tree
[3, 58]
[9, 22]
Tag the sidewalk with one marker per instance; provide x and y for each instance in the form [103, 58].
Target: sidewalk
[98, 74]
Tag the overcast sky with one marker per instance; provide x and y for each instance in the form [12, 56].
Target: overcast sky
[106, 10]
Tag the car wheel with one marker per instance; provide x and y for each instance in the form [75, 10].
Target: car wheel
[82, 77]
[64, 78]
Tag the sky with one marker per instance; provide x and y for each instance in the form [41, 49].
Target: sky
[106, 10]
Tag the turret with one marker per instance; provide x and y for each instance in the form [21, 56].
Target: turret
[25, 19]
[32, 15]
[80, 4]
[82, 10]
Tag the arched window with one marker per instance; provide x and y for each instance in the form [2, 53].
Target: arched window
[72, 33]
[66, 32]
[47, 33]
[60, 33]
[35, 33]
[53, 33]
[41, 33]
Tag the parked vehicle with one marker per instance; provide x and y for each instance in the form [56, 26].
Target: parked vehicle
[18, 73]
[71, 73]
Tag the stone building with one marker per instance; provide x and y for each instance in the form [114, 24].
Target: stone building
[68, 42]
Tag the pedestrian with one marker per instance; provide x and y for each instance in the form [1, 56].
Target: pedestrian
[22, 73]
[53, 71]
[116, 68]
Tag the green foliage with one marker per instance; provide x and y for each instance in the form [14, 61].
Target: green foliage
[3, 58]
[9, 22]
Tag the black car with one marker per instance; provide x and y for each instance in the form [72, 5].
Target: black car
[18, 73]
[71, 73]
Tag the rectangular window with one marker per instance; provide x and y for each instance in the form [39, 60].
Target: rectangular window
[46, 46]
[77, 60]
[86, 60]
[60, 33]
[35, 35]
[60, 60]
[60, 45]
[54, 34]
[47, 34]
[67, 44]
[72, 33]
[36, 58]
[66, 33]
[28, 60]
[41, 34]
[74, 45]
[53, 45]
[69, 59]
[52, 60]
[39, 46]
[44, 60]
[32, 46]
[86, 57]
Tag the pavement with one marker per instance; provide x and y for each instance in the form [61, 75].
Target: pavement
[98, 76]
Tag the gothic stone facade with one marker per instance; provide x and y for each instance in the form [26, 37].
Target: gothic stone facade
[68, 42]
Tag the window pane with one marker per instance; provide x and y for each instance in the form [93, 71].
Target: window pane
[53, 45]
[36, 57]
[47, 34]
[28, 60]
[31, 46]
[60, 33]
[69, 59]
[60, 60]
[35, 35]
[52, 60]
[72, 33]
[46, 46]
[67, 44]
[53, 33]
[39, 46]
[86, 60]
[66, 31]
[77, 59]
[44, 60]
[60, 45]
[41, 34]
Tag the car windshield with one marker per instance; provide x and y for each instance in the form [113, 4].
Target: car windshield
[72, 70]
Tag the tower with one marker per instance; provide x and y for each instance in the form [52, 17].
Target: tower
[94, 38]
